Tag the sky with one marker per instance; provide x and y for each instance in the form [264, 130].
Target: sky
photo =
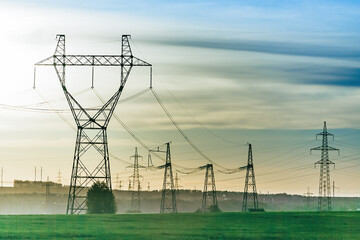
[230, 73]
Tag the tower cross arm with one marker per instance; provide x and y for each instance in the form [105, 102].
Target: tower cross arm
[328, 148]
[333, 149]
[316, 149]
[326, 162]
[243, 168]
[325, 133]
[161, 166]
[132, 166]
[93, 60]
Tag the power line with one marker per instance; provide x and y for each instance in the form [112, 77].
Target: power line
[181, 131]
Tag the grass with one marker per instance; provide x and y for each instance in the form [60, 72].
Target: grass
[268, 225]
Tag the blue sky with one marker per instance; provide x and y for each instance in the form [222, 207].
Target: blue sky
[265, 72]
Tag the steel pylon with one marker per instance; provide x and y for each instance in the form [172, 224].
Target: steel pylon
[324, 200]
[168, 196]
[250, 184]
[91, 122]
[209, 194]
[135, 198]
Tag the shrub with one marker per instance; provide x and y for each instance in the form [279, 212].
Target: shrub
[100, 199]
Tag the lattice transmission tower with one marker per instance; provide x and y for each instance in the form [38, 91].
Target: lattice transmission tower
[177, 186]
[135, 199]
[168, 196]
[92, 122]
[324, 200]
[209, 199]
[59, 177]
[308, 196]
[47, 186]
[250, 184]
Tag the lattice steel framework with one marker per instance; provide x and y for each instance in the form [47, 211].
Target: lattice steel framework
[47, 186]
[250, 184]
[209, 194]
[91, 122]
[324, 200]
[135, 199]
[308, 195]
[168, 196]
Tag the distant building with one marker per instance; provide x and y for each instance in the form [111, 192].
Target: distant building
[33, 184]
[31, 187]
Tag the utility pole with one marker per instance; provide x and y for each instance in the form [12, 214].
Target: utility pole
[41, 174]
[35, 174]
[250, 184]
[308, 195]
[168, 196]
[209, 199]
[148, 188]
[129, 187]
[91, 123]
[135, 199]
[324, 200]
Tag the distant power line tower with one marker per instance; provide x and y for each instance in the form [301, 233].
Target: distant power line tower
[135, 199]
[129, 187]
[150, 164]
[118, 182]
[168, 196]
[2, 177]
[250, 193]
[177, 179]
[59, 177]
[91, 123]
[209, 194]
[334, 189]
[47, 186]
[176, 182]
[324, 201]
[308, 195]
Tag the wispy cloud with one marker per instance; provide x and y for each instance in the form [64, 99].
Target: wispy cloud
[271, 47]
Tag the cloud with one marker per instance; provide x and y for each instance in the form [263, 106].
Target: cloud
[271, 47]
[336, 76]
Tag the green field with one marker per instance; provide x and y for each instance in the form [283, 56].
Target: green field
[268, 225]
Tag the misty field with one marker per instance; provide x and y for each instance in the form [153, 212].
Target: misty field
[268, 225]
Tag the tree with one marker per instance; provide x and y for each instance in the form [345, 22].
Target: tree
[214, 208]
[100, 199]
